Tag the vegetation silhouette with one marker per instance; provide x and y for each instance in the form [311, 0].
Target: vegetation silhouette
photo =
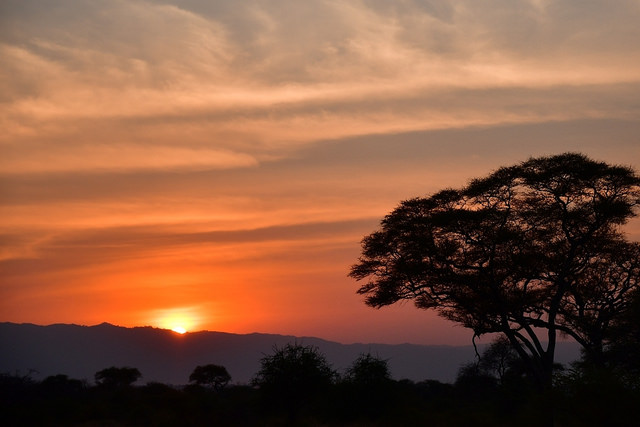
[500, 360]
[292, 376]
[62, 384]
[114, 377]
[623, 352]
[365, 394]
[213, 376]
[532, 247]
[368, 371]
[366, 389]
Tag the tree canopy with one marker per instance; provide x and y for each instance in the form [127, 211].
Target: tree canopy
[114, 377]
[532, 247]
[293, 374]
[368, 370]
[214, 376]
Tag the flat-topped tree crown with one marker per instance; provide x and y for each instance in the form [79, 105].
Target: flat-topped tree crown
[516, 250]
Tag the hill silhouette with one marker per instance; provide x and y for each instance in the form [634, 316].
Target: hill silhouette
[164, 356]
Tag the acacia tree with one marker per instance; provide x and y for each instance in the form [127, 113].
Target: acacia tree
[532, 247]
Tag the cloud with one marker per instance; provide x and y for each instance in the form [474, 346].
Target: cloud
[118, 157]
[164, 58]
[87, 251]
[342, 178]
[212, 137]
[227, 83]
[153, 236]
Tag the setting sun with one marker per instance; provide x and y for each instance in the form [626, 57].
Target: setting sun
[179, 320]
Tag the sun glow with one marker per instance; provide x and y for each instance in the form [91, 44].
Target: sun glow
[179, 320]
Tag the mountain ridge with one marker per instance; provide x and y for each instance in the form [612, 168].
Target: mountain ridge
[165, 356]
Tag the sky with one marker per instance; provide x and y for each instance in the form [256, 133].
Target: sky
[215, 164]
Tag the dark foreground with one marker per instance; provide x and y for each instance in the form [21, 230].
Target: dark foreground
[471, 401]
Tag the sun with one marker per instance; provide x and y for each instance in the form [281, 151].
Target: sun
[179, 320]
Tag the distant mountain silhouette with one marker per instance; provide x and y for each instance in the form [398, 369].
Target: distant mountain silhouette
[165, 356]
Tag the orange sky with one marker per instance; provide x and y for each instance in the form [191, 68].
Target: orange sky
[216, 164]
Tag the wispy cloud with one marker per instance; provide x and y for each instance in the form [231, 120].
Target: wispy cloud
[117, 157]
[263, 76]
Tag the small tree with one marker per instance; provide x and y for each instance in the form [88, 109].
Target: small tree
[117, 377]
[473, 380]
[213, 376]
[293, 375]
[368, 370]
[499, 358]
[367, 387]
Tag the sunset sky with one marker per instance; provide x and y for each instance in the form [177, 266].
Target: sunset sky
[214, 164]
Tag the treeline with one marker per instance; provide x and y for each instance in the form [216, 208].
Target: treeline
[297, 386]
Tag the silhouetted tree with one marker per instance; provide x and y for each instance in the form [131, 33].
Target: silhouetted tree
[497, 364]
[531, 247]
[368, 387]
[368, 371]
[600, 297]
[62, 385]
[117, 377]
[213, 376]
[622, 354]
[13, 386]
[499, 358]
[293, 375]
[473, 380]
